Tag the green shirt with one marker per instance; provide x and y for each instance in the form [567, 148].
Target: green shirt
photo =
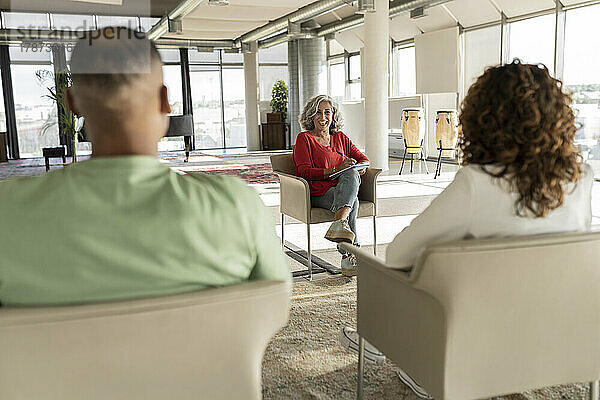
[124, 227]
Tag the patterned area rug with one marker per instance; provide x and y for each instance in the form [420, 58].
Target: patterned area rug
[251, 173]
[304, 360]
[250, 168]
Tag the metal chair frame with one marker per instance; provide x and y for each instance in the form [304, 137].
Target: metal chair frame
[422, 158]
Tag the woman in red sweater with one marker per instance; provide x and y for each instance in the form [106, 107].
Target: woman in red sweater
[321, 151]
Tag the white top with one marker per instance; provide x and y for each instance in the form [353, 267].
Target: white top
[476, 205]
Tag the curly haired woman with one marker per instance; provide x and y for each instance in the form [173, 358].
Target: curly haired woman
[321, 151]
[521, 174]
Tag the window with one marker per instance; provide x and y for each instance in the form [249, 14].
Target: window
[147, 23]
[354, 61]
[37, 122]
[66, 22]
[128, 22]
[196, 56]
[335, 48]
[482, 49]
[337, 81]
[18, 20]
[582, 78]
[354, 73]
[169, 55]
[2, 113]
[172, 80]
[532, 40]
[275, 54]
[272, 67]
[235, 107]
[206, 97]
[404, 81]
[232, 58]
[267, 77]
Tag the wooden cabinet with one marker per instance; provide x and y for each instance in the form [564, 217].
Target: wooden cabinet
[3, 152]
[274, 136]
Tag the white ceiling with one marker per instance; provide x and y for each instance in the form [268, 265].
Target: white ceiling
[467, 13]
[232, 21]
[242, 16]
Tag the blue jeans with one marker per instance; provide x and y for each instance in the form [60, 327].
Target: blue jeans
[344, 194]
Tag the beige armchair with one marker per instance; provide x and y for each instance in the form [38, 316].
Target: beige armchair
[481, 318]
[199, 345]
[294, 198]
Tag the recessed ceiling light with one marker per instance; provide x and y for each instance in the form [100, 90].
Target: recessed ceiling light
[218, 2]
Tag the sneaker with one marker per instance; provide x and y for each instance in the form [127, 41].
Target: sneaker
[349, 265]
[349, 340]
[340, 231]
[413, 385]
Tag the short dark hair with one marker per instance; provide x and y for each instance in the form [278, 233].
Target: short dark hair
[112, 56]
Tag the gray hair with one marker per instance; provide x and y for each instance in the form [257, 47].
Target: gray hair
[310, 110]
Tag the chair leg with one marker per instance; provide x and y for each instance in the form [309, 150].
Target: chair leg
[310, 277]
[424, 161]
[282, 225]
[361, 368]
[438, 165]
[403, 158]
[47, 164]
[374, 235]
[412, 155]
[594, 390]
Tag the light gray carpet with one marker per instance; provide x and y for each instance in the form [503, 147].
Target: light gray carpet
[304, 360]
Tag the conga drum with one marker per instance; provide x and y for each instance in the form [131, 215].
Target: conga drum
[446, 132]
[413, 129]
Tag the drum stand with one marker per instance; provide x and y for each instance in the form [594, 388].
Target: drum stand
[422, 158]
[438, 168]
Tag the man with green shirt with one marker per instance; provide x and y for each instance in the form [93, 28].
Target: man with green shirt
[123, 225]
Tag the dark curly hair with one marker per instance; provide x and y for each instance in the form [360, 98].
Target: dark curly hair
[517, 123]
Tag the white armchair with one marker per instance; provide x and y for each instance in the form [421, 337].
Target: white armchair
[207, 344]
[294, 198]
[481, 318]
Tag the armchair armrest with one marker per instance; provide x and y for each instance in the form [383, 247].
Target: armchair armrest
[370, 261]
[294, 196]
[368, 186]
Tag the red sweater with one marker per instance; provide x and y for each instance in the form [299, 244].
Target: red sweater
[311, 158]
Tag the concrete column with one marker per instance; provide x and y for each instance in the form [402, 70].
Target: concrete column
[294, 90]
[251, 85]
[313, 67]
[307, 65]
[376, 54]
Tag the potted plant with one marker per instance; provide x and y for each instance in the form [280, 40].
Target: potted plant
[279, 98]
[69, 124]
